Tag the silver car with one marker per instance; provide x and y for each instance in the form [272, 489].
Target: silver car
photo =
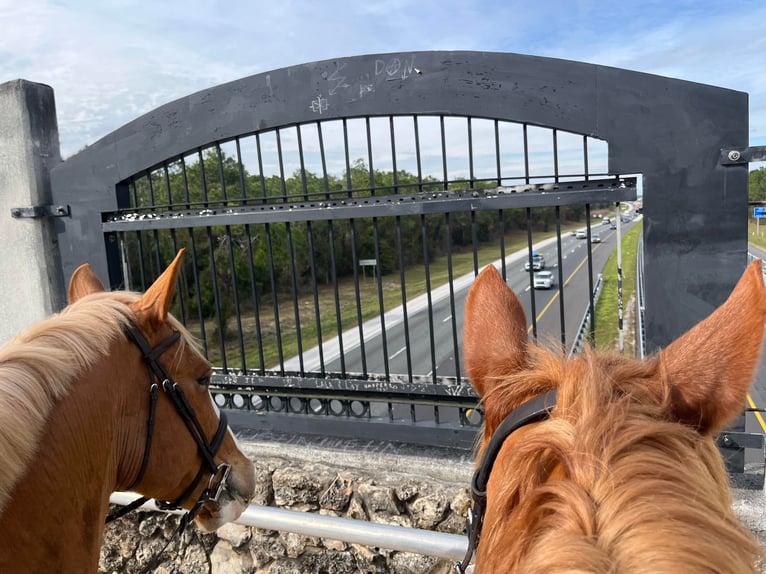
[544, 280]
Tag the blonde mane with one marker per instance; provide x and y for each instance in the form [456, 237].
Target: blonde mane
[631, 491]
[39, 366]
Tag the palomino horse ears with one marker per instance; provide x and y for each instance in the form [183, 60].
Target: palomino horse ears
[710, 367]
[495, 331]
[153, 305]
[83, 282]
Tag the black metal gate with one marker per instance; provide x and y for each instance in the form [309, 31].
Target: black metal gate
[318, 199]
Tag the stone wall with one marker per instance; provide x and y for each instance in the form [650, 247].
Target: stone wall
[368, 480]
[373, 481]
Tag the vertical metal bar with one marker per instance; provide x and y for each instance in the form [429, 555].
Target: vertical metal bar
[381, 304]
[501, 227]
[338, 317]
[354, 254]
[497, 153]
[139, 242]
[203, 178]
[559, 254]
[378, 274]
[529, 237]
[474, 244]
[591, 306]
[402, 282]
[291, 252]
[195, 267]
[455, 343]
[471, 178]
[213, 271]
[560, 263]
[501, 218]
[427, 269]
[251, 267]
[333, 265]
[272, 275]
[417, 153]
[314, 283]
[444, 152]
[393, 153]
[312, 257]
[621, 340]
[233, 267]
[531, 274]
[155, 233]
[182, 294]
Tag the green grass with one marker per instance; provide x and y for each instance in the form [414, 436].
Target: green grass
[756, 234]
[369, 307]
[607, 327]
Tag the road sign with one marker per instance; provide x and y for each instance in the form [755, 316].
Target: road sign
[759, 212]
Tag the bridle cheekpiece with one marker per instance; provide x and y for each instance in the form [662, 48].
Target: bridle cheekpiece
[534, 410]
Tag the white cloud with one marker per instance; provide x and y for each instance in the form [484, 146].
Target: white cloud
[112, 61]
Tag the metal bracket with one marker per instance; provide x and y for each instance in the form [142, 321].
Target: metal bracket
[37, 211]
[736, 440]
[743, 155]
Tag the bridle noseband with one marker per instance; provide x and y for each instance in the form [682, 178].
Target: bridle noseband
[534, 410]
[207, 450]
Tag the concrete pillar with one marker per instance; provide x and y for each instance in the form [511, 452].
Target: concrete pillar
[31, 283]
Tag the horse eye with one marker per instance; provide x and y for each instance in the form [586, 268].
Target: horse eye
[204, 381]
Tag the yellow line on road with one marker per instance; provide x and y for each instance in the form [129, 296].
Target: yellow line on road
[750, 400]
[758, 416]
[566, 282]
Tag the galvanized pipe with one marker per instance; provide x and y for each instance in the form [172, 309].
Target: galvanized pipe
[442, 545]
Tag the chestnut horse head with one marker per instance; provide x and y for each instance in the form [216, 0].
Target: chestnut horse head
[110, 394]
[619, 471]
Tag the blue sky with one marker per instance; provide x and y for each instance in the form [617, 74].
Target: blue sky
[112, 60]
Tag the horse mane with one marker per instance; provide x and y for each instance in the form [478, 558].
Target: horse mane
[608, 484]
[39, 366]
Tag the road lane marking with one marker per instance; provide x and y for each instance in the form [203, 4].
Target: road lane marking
[399, 352]
[446, 319]
[758, 416]
[568, 279]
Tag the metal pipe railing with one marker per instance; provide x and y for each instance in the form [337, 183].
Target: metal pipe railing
[640, 328]
[582, 331]
[442, 545]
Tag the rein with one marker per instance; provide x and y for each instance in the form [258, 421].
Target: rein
[207, 450]
[534, 410]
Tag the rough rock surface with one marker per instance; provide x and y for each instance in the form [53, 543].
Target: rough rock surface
[400, 485]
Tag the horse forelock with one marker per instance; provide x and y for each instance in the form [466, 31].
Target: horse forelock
[607, 484]
[40, 364]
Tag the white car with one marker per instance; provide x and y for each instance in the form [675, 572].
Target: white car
[581, 233]
[544, 280]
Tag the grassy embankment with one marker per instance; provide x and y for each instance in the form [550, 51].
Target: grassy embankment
[607, 331]
[415, 282]
[758, 237]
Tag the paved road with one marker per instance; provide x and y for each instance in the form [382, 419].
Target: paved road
[446, 319]
[756, 422]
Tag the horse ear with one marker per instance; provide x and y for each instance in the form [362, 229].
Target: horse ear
[710, 367]
[495, 331]
[83, 282]
[153, 305]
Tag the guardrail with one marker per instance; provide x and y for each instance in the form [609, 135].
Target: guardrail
[401, 538]
[640, 325]
[582, 336]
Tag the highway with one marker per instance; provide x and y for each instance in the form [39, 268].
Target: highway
[446, 319]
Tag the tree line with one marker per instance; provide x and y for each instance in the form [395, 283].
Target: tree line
[232, 261]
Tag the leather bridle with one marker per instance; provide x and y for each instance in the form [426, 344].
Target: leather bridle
[534, 410]
[159, 379]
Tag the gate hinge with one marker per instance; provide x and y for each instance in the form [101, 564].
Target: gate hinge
[743, 155]
[37, 211]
